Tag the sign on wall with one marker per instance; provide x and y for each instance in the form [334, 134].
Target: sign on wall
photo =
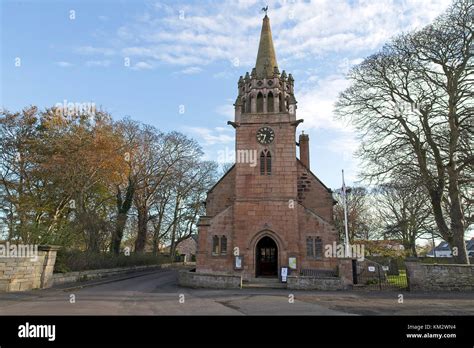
[284, 274]
[292, 262]
[238, 262]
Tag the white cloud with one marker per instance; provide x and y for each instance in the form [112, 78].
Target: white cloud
[98, 63]
[341, 148]
[227, 110]
[212, 136]
[142, 66]
[64, 64]
[191, 70]
[343, 143]
[316, 103]
[90, 50]
[302, 30]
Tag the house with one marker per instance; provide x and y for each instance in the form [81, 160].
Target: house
[444, 249]
[187, 248]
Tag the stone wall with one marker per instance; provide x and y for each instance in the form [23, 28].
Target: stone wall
[21, 274]
[344, 269]
[208, 280]
[71, 277]
[312, 283]
[439, 277]
[344, 280]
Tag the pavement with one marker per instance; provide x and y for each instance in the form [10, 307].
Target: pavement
[157, 293]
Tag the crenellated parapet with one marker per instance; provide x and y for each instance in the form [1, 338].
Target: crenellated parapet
[273, 94]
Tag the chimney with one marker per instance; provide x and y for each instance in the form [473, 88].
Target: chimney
[304, 149]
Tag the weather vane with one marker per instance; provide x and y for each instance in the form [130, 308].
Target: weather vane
[265, 9]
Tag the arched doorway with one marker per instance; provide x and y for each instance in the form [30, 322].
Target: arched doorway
[266, 258]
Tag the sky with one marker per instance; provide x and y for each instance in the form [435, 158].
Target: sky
[175, 64]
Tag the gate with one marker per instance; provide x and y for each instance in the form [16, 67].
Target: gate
[370, 275]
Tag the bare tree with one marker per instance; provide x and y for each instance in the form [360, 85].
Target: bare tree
[163, 156]
[361, 221]
[17, 131]
[412, 104]
[191, 189]
[405, 212]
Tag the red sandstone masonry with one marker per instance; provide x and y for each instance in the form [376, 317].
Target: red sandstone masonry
[289, 205]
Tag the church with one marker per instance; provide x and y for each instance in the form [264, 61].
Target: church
[273, 212]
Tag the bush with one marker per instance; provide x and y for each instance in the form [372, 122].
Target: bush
[76, 260]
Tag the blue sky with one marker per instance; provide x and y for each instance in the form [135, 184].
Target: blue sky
[191, 54]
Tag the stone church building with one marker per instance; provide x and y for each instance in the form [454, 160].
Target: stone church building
[273, 212]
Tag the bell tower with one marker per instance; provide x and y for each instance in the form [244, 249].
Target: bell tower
[265, 122]
[267, 209]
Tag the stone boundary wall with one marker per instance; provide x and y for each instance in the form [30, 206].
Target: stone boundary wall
[312, 283]
[439, 277]
[344, 270]
[21, 274]
[209, 280]
[344, 280]
[71, 277]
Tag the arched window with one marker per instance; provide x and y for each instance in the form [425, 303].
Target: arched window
[215, 245]
[318, 248]
[287, 104]
[265, 163]
[280, 101]
[314, 247]
[309, 247]
[223, 245]
[244, 108]
[259, 102]
[270, 102]
[249, 104]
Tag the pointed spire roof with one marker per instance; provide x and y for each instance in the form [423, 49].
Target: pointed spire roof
[266, 58]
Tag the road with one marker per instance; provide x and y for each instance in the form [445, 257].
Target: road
[157, 293]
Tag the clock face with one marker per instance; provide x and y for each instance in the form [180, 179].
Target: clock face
[265, 135]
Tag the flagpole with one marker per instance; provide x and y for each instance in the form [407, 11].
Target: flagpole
[344, 202]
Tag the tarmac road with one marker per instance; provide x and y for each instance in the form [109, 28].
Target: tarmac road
[157, 293]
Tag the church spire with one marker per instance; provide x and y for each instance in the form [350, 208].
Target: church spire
[265, 90]
[266, 58]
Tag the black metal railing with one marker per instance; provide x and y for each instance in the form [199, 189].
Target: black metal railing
[318, 273]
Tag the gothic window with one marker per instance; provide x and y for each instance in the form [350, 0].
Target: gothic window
[219, 245]
[314, 247]
[287, 104]
[269, 163]
[215, 245]
[270, 102]
[249, 104]
[309, 247]
[280, 102]
[259, 102]
[244, 109]
[318, 248]
[265, 163]
[223, 245]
